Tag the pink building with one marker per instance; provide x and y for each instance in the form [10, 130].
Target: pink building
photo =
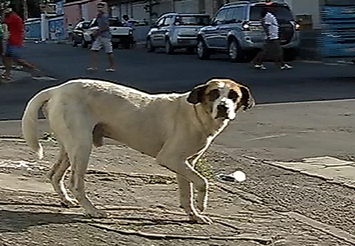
[76, 11]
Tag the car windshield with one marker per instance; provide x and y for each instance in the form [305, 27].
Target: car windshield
[192, 20]
[115, 22]
[281, 13]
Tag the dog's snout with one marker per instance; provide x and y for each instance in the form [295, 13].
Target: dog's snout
[222, 107]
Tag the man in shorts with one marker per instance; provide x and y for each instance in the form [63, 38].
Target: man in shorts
[272, 43]
[14, 44]
[102, 39]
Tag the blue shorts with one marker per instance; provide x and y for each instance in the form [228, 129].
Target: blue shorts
[13, 51]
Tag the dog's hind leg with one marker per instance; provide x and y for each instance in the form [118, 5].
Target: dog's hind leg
[56, 176]
[79, 154]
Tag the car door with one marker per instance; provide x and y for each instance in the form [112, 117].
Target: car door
[156, 33]
[224, 28]
[212, 33]
[232, 23]
[78, 32]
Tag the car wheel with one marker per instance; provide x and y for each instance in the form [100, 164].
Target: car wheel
[290, 54]
[84, 44]
[74, 43]
[190, 50]
[126, 45]
[168, 47]
[115, 45]
[234, 51]
[150, 46]
[203, 52]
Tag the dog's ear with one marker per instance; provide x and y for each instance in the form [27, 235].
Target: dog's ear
[247, 100]
[196, 95]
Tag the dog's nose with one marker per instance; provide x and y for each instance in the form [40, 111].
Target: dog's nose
[222, 108]
[222, 111]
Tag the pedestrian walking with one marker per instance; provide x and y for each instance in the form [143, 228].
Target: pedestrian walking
[272, 43]
[70, 32]
[102, 39]
[14, 43]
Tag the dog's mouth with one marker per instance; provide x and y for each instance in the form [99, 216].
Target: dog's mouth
[222, 112]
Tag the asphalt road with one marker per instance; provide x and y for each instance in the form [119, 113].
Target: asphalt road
[159, 72]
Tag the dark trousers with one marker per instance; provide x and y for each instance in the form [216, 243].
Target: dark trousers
[272, 47]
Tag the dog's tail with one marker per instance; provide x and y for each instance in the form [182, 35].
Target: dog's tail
[30, 121]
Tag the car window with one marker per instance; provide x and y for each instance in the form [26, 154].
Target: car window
[230, 15]
[281, 12]
[115, 22]
[192, 20]
[93, 23]
[239, 13]
[160, 22]
[79, 26]
[168, 20]
[85, 25]
[220, 17]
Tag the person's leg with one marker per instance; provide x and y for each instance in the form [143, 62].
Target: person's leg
[109, 51]
[110, 59]
[7, 62]
[96, 46]
[259, 58]
[16, 56]
[276, 49]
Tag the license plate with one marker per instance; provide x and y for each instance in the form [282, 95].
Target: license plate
[115, 40]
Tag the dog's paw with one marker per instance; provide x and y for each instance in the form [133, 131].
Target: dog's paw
[69, 203]
[96, 214]
[201, 219]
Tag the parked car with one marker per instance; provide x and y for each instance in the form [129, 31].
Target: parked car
[236, 29]
[78, 32]
[121, 35]
[175, 30]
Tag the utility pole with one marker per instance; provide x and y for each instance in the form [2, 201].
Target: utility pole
[25, 10]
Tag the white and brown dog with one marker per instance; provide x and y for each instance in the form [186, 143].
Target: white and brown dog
[176, 129]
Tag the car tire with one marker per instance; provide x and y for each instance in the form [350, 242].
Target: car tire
[203, 52]
[84, 44]
[126, 45]
[169, 49]
[290, 54]
[74, 43]
[114, 45]
[235, 53]
[190, 50]
[150, 46]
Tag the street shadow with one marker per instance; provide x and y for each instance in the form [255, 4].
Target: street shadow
[17, 221]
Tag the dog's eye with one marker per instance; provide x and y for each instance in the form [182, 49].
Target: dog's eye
[213, 94]
[233, 95]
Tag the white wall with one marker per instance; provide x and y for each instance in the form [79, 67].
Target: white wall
[308, 7]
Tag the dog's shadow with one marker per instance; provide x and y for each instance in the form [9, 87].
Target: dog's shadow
[21, 220]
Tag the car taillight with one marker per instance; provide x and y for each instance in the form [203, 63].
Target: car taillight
[245, 27]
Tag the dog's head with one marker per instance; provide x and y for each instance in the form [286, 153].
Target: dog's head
[222, 97]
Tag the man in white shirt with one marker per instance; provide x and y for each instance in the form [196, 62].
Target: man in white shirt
[272, 43]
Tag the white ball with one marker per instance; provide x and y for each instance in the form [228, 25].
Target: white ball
[239, 176]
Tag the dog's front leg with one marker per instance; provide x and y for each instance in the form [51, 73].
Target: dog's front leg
[187, 178]
[186, 189]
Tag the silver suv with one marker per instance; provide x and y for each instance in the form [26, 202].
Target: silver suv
[237, 30]
[175, 30]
